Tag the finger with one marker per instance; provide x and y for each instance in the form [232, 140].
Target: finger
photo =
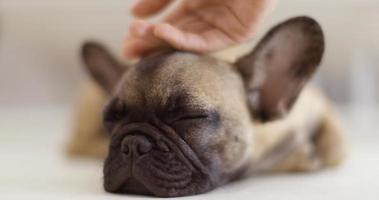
[140, 39]
[146, 8]
[141, 42]
[137, 47]
[140, 28]
[180, 39]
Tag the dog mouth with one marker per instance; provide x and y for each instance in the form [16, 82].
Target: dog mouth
[152, 163]
[160, 175]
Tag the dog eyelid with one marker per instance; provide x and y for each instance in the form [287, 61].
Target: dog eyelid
[194, 115]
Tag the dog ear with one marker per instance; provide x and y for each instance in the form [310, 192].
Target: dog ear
[278, 68]
[103, 67]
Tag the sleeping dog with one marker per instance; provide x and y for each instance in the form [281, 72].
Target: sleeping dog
[178, 123]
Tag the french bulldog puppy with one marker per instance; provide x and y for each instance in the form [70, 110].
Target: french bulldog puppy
[178, 123]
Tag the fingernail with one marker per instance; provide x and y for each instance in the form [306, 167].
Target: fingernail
[140, 28]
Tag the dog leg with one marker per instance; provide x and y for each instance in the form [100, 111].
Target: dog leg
[324, 148]
[328, 142]
[88, 138]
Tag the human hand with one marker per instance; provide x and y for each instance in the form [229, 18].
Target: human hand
[194, 25]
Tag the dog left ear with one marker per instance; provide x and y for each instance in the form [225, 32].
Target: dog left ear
[282, 63]
[103, 67]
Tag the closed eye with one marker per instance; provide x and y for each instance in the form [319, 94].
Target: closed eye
[202, 115]
[192, 117]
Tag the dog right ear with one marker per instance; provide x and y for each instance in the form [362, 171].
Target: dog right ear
[103, 67]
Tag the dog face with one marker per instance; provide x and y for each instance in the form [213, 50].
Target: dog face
[181, 123]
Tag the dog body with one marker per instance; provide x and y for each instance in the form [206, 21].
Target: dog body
[180, 123]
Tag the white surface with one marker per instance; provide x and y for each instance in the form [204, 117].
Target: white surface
[33, 165]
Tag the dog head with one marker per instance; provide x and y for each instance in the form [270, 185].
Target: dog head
[181, 123]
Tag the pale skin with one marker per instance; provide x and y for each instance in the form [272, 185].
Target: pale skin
[201, 26]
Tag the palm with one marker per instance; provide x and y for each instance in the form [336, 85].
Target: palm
[203, 25]
[208, 27]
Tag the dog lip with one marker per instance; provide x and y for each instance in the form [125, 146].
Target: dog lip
[186, 151]
[169, 141]
[134, 186]
[163, 146]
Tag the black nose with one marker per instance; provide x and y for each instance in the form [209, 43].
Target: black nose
[135, 145]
